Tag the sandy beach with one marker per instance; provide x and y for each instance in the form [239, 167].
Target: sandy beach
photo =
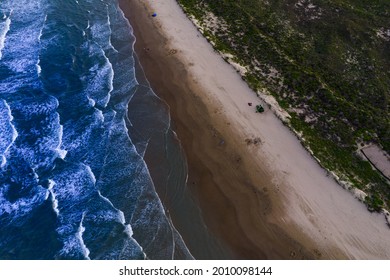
[259, 191]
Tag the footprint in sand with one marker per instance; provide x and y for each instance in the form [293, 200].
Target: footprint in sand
[255, 141]
[172, 52]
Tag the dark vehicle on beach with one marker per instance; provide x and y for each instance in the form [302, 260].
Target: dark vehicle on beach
[259, 109]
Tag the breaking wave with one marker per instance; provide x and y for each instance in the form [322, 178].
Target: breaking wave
[73, 181]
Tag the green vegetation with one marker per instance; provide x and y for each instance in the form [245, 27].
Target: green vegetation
[327, 63]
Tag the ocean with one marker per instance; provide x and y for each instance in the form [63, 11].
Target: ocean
[75, 124]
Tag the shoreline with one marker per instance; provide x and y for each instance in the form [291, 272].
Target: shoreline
[262, 198]
[164, 153]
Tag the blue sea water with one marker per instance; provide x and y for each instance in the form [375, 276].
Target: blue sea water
[73, 180]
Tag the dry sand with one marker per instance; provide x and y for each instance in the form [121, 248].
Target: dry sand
[259, 190]
[379, 158]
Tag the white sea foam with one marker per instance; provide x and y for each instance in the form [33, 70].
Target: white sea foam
[124, 127]
[99, 81]
[53, 196]
[89, 170]
[73, 246]
[101, 36]
[129, 230]
[71, 190]
[91, 101]
[38, 66]
[35, 108]
[14, 132]
[61, 153]
[109, 28]
[79, 235]
[111, 79]
[3, 34]
[41, 30]
[128, 25]
[22, 44]
[24, 52]
[120, 215]
[39, 69]
[3, 161]
[100, 115]
[22, 206]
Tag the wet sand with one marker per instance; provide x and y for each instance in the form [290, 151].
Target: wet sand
[260, 193]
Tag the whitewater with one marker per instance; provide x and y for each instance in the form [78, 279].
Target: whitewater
[73, 180]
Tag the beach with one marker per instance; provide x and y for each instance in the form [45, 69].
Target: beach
[259, 191]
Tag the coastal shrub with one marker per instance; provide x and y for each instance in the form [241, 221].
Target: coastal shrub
[329, 61]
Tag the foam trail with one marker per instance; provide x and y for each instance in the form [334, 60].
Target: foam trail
[89, 170]
[14, 133]
[53, 197]
[129, 27]
[91, 101]
[43, 26]
[109, 27]
[61, 153]
[39, 69]
[3, 33]
[98, 74]
[121, 215]
[80, 231]
[128, 229]
[100, 115]
[111, 79]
